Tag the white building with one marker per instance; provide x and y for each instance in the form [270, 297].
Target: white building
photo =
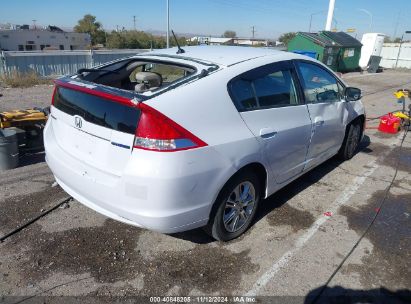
[228, 41]
[211, 40]
[40, 39]
[250, 41]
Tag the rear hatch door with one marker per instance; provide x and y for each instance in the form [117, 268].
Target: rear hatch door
[95, 124]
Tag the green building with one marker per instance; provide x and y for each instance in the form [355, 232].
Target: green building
[339, 51]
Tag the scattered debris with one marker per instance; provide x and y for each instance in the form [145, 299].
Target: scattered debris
[322, 228]
[64, 206]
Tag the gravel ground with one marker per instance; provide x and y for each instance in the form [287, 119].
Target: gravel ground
[290, 252]
[25, 98]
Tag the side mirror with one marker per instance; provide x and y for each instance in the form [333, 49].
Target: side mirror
[352, 94]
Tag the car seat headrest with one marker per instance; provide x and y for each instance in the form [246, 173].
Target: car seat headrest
[150, 79]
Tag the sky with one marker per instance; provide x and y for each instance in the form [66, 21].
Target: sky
[212, 17]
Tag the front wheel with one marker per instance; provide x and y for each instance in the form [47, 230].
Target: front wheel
[351, 141]
[235, 207]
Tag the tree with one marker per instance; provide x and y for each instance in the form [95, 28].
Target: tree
[286, 37]
[229, 34]
[116, 41]
[387, 39]
[92, 27]
[138, 40]
[397, 40]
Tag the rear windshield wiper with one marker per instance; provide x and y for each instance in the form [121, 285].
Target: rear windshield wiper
[80, 71]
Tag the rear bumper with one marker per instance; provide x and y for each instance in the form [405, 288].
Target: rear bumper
[165, 192]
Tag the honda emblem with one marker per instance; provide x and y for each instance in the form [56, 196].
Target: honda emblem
[78, 122]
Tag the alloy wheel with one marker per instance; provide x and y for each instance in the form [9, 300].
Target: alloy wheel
[239, 206]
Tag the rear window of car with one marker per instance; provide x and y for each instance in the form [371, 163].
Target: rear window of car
[97, 110]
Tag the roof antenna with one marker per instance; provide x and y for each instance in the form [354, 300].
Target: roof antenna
[180, 50]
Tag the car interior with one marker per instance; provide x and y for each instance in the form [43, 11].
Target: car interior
[138, 76]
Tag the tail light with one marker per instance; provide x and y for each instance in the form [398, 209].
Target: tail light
[157, 132]
[54, 94]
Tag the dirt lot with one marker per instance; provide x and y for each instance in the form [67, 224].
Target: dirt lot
[290, 252]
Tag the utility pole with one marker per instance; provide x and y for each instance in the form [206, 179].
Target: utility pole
[253, 31]
[399, 50]
[168, 23]
[330, 15]
[134, 20]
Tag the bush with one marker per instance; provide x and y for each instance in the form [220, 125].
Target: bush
[17, 79]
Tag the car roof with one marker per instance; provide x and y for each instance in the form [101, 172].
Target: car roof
[221, 55]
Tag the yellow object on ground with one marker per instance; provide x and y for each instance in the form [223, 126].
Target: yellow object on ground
[402, 94]
[22, 118]
[401, 115]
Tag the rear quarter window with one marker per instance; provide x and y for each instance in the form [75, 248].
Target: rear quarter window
[243, 95]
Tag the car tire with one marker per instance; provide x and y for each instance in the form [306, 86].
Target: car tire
[230, 203]
[351, 141]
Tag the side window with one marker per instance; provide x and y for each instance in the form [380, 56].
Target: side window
[272, 90]
[276, 90]
[243, 94]
[319, 85]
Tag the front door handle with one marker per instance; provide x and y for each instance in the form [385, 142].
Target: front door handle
[267, 133]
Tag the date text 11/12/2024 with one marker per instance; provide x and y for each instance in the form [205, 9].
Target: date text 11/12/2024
[203, 299]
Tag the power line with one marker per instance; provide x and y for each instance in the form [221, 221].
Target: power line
[254, 7]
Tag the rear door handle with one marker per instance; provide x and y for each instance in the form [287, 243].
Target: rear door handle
[319, 122]
[267, 133]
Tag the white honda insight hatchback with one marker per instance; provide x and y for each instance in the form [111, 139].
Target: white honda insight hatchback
[171, 141]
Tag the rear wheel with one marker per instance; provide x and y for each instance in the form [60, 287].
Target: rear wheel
[235, 207]
[351, 141]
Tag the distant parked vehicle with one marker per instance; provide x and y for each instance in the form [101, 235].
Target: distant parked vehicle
[174, 141]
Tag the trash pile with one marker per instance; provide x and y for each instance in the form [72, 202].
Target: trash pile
[21, 132]
[392, 122]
